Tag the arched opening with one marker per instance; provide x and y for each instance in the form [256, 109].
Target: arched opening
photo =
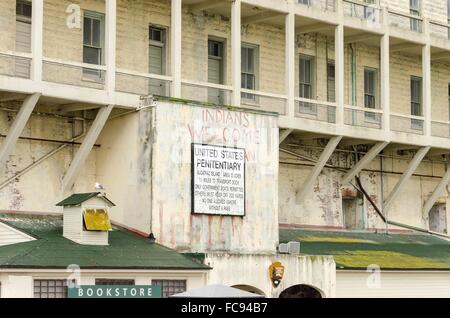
[300, 291]
[249, 289]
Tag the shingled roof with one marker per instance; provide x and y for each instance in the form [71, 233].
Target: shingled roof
[51, 250]
[358, 250]
[79, 198]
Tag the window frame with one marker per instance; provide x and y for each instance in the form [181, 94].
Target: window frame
[415, 123]
[162, 44]
[162, 280]
[308, 108]
[371, 117]
[92, 74]
[65, 293]
[247, 97]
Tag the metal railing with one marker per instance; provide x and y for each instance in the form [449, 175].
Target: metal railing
[73, 73]
[363, 11]
[326, 5]
[15, 64]
[406, 21]
[142, 83]
[363, 117]
[315, 110]
[264, 101]
[407, 123]
[216, 94]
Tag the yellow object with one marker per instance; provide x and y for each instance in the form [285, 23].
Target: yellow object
[96, 220]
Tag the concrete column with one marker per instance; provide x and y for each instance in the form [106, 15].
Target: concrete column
[290, 64]
[110, 39]
[175, 44]
[37, 26]
[236, 51]
[385, 79]
[340, 74]
[426, 86]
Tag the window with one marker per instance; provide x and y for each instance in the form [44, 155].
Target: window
[124, 282]
[157, 59]
[370, 85]
[93, 42]
[414, 9]
[96, 220]
[23, 38]
[23, 10]
[331, 83]
[50, 288]
[249, 66]
[305, 2]
[215, 69]
[370, 11]
[416, 102]
[170, 287]
[306, 88]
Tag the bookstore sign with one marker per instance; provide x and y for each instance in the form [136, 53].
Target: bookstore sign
[218, 180]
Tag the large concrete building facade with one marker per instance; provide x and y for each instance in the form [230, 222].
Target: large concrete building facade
[342, 108]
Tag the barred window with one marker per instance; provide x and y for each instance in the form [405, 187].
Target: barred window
[170, 287]
[50, 288]
[124, 282]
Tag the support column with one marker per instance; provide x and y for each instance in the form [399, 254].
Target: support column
[385, 83]
[438, 191]
[290, 64]
[7, 146]
[312, 178]
[373, 152]
[412, 167]
[175, 47]
[340, 74]
[86, 147]
[110, 39]
[426, 71]
[37, 27]
[236, 51]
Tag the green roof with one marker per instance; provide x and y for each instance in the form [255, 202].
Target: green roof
[78, 198]
[353, 250]
[52, 250]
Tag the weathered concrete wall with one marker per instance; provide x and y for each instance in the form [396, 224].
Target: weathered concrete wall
[124, 168]
[323, 206]
[177, 126]
[253, 270]
[40, 188]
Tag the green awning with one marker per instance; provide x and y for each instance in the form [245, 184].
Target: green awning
[353, 250]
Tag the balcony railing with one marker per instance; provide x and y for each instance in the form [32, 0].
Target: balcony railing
[315, 110]
[363, 11]
[206, 92]
[439, 30]
[440, 129]
[15, 64]
[264, 101]
[407, 123]
[73, 73]
[406, 21]
[363, 117]
[325, 5]
[142, 83]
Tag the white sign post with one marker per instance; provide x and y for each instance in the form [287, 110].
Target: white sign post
[218, 180]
